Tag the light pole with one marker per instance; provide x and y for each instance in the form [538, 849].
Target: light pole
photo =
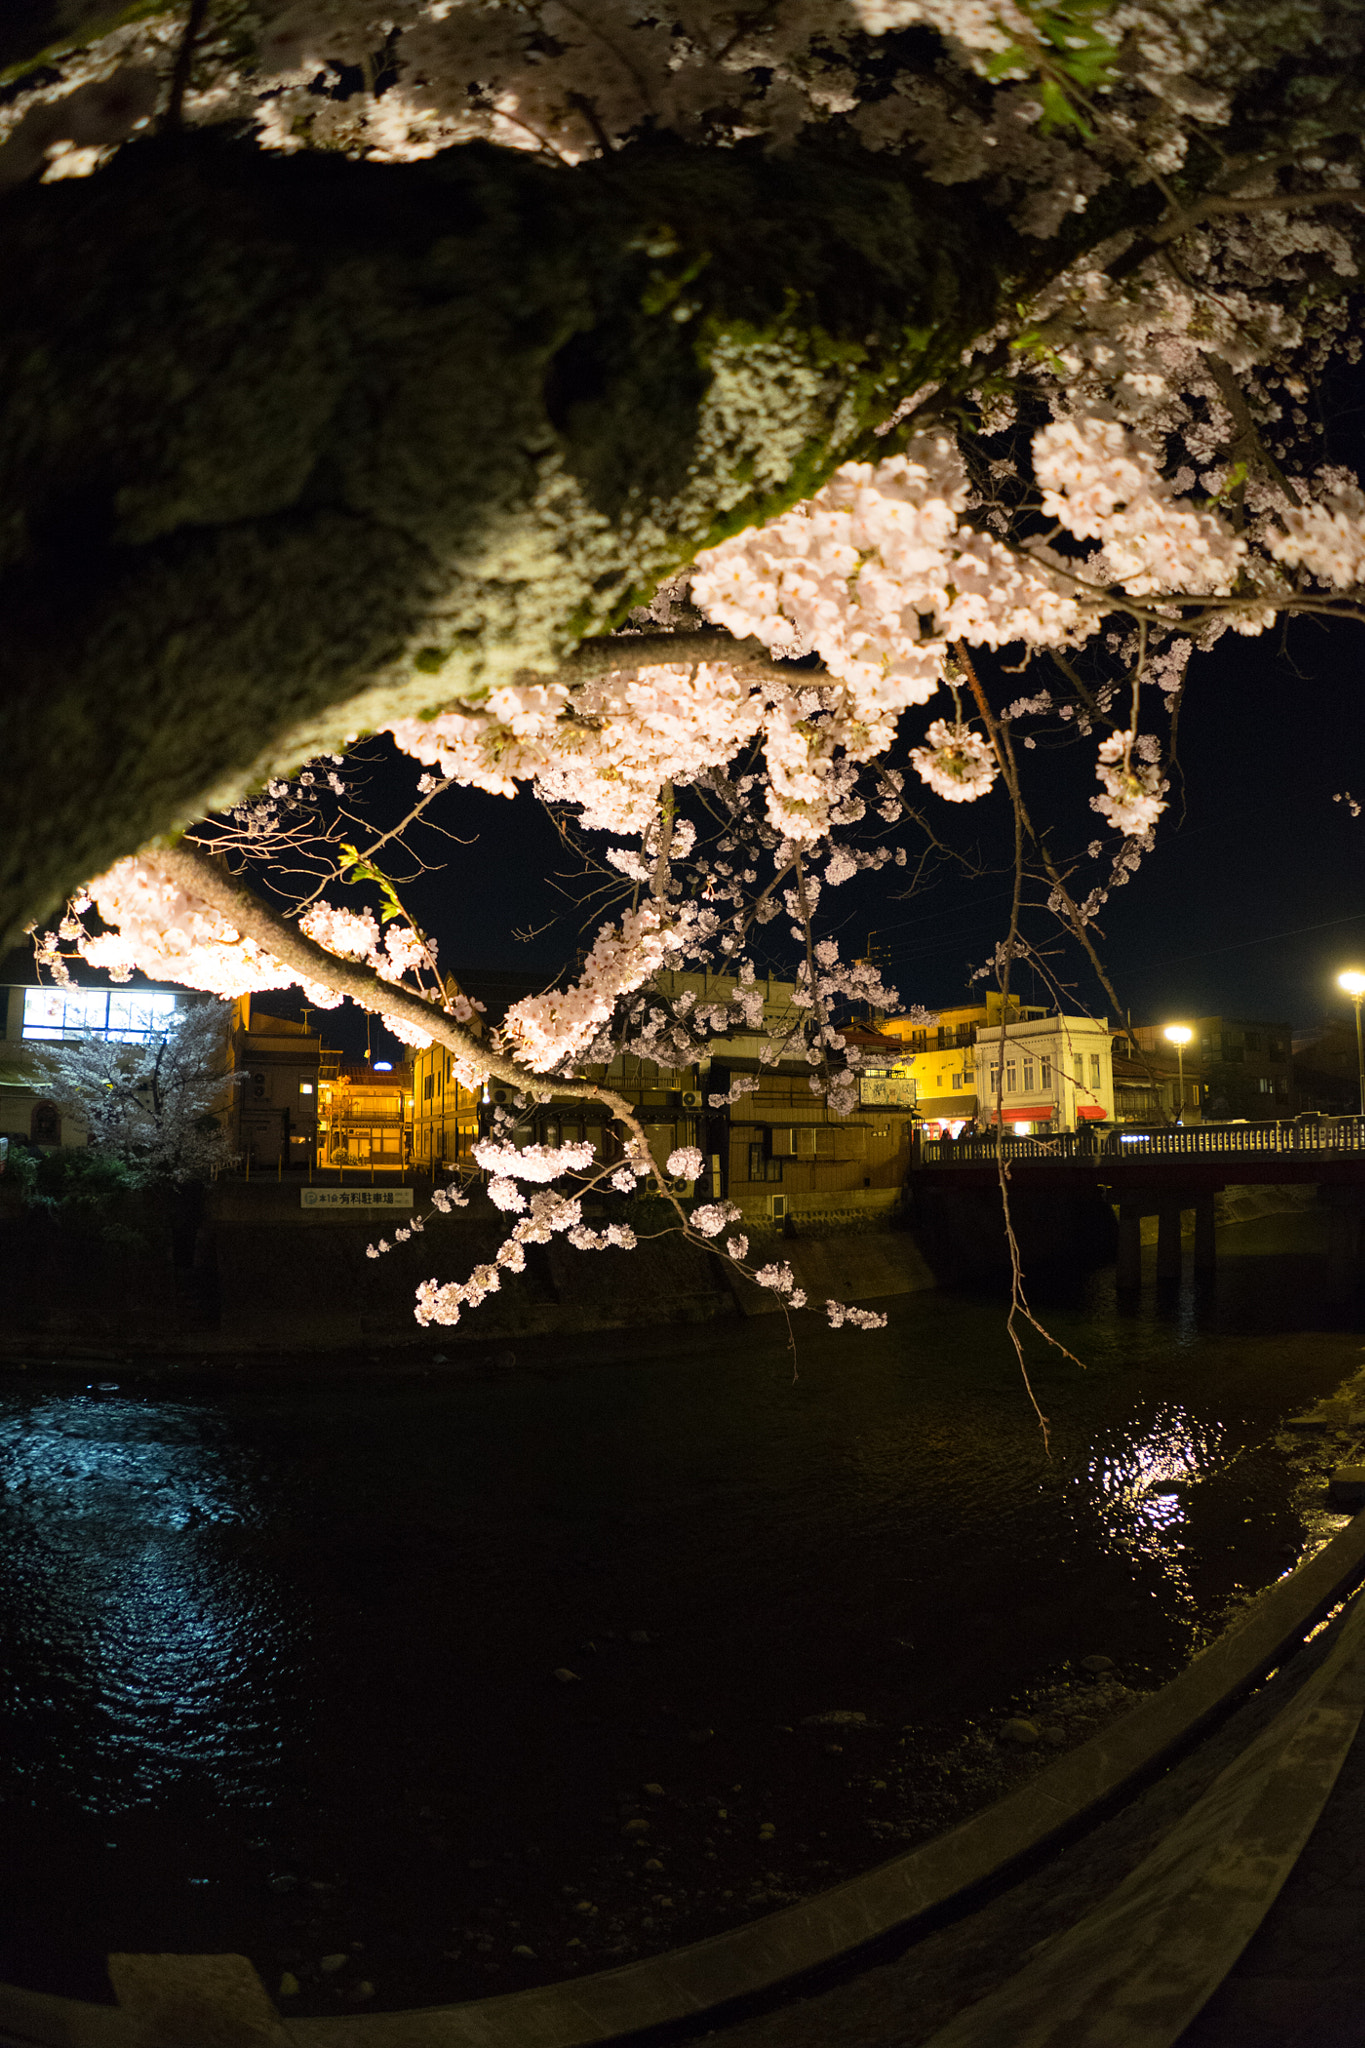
[1179, 1036]
[1354, 984]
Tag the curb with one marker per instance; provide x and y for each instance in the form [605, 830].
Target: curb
[219, 2002]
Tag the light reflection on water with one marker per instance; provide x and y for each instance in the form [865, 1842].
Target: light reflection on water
[1137, 1491]
[160, 1650]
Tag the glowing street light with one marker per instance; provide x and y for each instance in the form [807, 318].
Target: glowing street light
[1353, 981]
[1179, 1035]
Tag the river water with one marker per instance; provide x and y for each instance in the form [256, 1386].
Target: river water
[280, 1654]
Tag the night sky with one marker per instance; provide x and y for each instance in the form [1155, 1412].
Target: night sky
[1249, 905]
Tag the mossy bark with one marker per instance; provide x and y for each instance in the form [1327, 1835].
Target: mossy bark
[294, 445]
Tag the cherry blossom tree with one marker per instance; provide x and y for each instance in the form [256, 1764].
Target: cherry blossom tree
[659, 411]
[149, 1101]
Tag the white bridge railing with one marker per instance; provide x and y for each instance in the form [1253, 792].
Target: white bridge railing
[1329, 1138]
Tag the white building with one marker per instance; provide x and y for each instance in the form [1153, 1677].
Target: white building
[33, 1016]
[1059, 1074]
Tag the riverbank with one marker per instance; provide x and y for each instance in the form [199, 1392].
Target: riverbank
[255, 1272]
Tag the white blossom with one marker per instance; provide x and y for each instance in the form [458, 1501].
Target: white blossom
[957, 763]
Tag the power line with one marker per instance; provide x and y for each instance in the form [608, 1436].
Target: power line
[1240, 945]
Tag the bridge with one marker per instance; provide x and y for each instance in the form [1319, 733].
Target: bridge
[1166, 1172]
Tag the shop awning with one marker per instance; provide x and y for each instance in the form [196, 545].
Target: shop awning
[1088, 1113]
[1036, 1113]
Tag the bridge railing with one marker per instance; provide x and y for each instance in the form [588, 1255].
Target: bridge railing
[1330, 1138]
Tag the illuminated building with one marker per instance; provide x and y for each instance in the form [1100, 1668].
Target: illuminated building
[364, 1116]
[272, 1116]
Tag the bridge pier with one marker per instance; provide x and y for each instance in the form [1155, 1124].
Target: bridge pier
[1205, 1251]
[1343, 1244]
[1168, 1241]
[1130, 1247]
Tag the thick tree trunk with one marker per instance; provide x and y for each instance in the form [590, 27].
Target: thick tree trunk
[290, 446]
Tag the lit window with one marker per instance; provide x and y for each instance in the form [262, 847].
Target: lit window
[305, 1087]
[69, 1013]
[1094, 1070]
[1011, 1077]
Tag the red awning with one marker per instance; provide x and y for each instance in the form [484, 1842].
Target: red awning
[1040, 1113]
[1089, 1114]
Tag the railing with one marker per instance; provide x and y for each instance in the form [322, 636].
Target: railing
[1330, 1138]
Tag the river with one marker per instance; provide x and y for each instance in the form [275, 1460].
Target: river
[281, 1653]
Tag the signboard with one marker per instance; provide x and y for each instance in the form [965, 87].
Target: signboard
[355, 1198]
[886, 1091]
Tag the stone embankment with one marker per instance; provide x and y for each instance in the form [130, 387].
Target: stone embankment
[257, 1270]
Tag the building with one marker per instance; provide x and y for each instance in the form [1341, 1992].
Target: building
[272, 1116]
[364, 1115]
[778, 1150]
[775, 1150]
[1058, 1073]
[1245, 1065]
[941, 1059]
[35, 1013]
[1326, 1069]
[445, 1114]
[1153, 1086]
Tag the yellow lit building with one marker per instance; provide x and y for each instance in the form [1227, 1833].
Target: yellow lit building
[942, 1057]
[445, 1115]
[364, 1115]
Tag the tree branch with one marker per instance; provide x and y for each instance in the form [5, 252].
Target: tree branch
[252, 919]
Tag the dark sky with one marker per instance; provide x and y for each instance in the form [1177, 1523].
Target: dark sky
[1249, 905]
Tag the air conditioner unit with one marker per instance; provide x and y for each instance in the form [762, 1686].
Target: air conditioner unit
[679, 1186]
[501, 1094]
[777, 1208]
[691, 1098]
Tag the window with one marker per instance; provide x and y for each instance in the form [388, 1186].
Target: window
[305, 1087]
[128, 1016]
[995, 1076]
[1094, 1070]
[761, 1167]
[959, 1080]
[1080, 1070]
[813, 1141]
[429, 1087]
[1252, 1041]
[1046, 1071]
[1011, 1077]
[1264, 1084]
[1028, 1077]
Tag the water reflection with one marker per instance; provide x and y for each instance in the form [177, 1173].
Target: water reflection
[126, 1616]
[1138, 1491]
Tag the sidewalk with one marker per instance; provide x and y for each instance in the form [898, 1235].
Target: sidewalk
[1300, 1982]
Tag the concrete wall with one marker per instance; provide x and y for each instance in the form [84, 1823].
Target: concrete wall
[256, 1271]
[961, 1231]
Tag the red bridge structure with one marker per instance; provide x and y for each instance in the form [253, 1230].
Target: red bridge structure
[1164, 1173]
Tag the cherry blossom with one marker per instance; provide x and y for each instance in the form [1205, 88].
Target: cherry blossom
[957, 763]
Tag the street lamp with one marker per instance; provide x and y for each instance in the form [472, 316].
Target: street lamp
[1353, 981]
[1179, 1035]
